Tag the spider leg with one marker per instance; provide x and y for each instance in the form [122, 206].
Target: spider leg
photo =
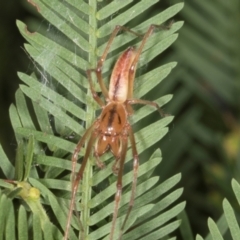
[115, 167]
[119, 184]
[78, 149]
[132, 69]
[146, 36]
[79, 175]
[94, 94]
[145, 102]
[134, 183]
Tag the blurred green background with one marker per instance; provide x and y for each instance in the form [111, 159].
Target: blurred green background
[203, 141]
[12, 59]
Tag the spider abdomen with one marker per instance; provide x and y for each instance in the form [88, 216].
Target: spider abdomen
[119, 82]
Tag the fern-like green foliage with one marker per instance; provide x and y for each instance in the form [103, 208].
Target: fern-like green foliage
[206, 84]
[218, 230]
[55, 102]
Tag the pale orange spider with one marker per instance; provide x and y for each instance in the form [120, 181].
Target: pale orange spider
[111, 130]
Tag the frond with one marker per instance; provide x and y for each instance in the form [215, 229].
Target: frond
[206, 96]
[229, 219]
[70, 40]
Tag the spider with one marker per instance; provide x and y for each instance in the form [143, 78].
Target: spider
[111, 130]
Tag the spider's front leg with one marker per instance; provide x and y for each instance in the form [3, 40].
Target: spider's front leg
[135, 175]
[77, 178]
[124, 140]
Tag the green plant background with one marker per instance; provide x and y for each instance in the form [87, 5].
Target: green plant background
[202, 142]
